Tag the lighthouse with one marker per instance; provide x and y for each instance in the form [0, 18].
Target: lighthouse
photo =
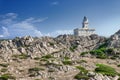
[85, 30]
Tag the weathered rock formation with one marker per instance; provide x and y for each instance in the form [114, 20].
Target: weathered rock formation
[48, 58]
[47, 45]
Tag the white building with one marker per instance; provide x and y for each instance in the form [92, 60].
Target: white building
[84, 31]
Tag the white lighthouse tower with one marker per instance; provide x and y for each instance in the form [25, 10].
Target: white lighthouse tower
[85, 23]
[85, 30]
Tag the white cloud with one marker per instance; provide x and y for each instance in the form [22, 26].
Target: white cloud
[7, 19]
[5, 32]
[13, 28]
[11, 15]
[33, 20]
[59, 32]
[1, 36]
[25, 28]
[55, 3]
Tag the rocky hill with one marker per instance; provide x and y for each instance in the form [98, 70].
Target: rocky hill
[65, 57]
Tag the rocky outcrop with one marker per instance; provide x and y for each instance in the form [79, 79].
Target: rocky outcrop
[47, 45]
[115, 40]
[48, 58]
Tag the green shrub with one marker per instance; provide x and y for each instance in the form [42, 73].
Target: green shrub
[104, 45]
[99, 53]
[36, 58]
[96, 52]
[113, 57]
[66, 58]
[4, 64]
[82, 69]
[72, 48]
[6, 77]
[21, 56]
[81, 77]
[116, 56]
[110, 50]
[118, 78]
[67, 62]
[83, 53]
[51, 44]
[43, 59]
[82, 74]
[105, 70]
[33, 74]
[4, 69]
[35, 69]
[82, 61]
[118, 65]
[48, 56]
[102, 56]
[51, 70]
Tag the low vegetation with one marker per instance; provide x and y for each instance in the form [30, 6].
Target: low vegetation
[118, 65]
[36, 58]
[48, 56]
[67, 62]
[3, 69]
[102, 53]
[21, 56]
[84, 53]
[66, 58]
[35, 69]
[51, 70]
[82, 74]
[104, 45]
[51, 43]
[4, 64]
[72, 48]
[105, 70]
[7, 77]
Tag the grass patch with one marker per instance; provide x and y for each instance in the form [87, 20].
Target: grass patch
[81, 77]
[82, 74]
[67, 62]
[98, 53]
[51, 70]
[4, 69]
[82, 69]
[48, 56]
[105, 70]
[82, 61]
[36, 58]
[36, 69]
[7, 77]
[21, 56]
[72, 48]
[51, 44]
[83, 53]
[118, 65]
[4, 64]
[66, 58]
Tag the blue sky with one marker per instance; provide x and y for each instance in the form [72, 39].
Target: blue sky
[55, 17]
